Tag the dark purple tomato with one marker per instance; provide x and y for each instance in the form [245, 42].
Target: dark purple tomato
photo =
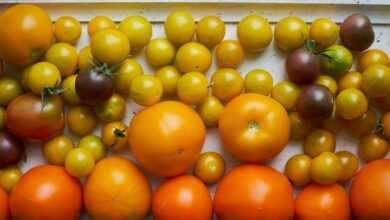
[302, 66]
[356, 32]
[94, 87]
[315, 101]
[11, 150]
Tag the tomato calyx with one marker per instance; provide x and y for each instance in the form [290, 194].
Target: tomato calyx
[119, 133]
[253, 126]
[48, 91]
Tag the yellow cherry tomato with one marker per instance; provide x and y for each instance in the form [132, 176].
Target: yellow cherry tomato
[351, 104]
[9, 89]
[386, 124]
[286, 93]
[79, 162]
[85, 60]
[129, 69]
[297, 169]
[334, 123]
[374, 56]
[299, 127]
[210, 110]
[349, 163]
[112, 109]
[3, 118]
[67, 29]
[254, 32]
[210, 167]
[258, 81]
[192, 88]
[43, 75]
[81, 120]
[291, 33]
[328, 82]
[160, 52]
[372, 147]
[64, 56]
[69, 94]
[324, 32]
[94, 145]
[352, 79]
[169, 76]
[114, 136]
[229, 53]
[210, 31]
[318, 141]
[99, 23]
[56, 149]
[376, 80]
[193, 57]
[326, 168]
[226, 83]
[179, 27]
[146, 90]
[138, 30]
[363, 125]
[9, 177]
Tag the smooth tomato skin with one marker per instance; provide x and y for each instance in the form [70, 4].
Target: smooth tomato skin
[27, 120]
[370, 194]
[25, 34]
[4, 206]
[46, 192]
[254, 127]
[323, 202]
[253, 192]
[182, 198]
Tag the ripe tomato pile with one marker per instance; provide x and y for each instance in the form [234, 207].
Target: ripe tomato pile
[47, 86]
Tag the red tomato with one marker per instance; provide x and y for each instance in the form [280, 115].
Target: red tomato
[4, 206]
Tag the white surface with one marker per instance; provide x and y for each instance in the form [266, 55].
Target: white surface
[270, 59]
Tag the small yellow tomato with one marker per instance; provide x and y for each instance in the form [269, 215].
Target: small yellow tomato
[326, 168]
[226, 83]
[324, 32]
[210, 167]
[210, 110]
[334, 123]
[160, 52]
[146, 90]
[299, 127]
[9, 89]
[79, 162]
[372, 147]
[81, 120]
[363, 125]
[350, 164]
[94, 145]
[374, 56]
[99, 23]
[169, 76]
[43, 75]
[351, 104]
[376, 80]
[179, 27]
[192, 88]
[70, 95]
[112, 109]
[386, 124]
[210, 31]
[64, 56]
[297, 169]
[193, 57]
[9, 177]
[67, 29]
[291, 33]
[56, 149]
[254, 32]
[129, 69]
[114, 136]
[352, 79]
[3, 118]
[328, 82]
[318, 141]
[85, 60]
[138, 30]
[286, 93]
[258, 81]
[229, 54]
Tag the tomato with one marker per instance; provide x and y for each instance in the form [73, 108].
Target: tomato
[85, 60]
[160, 52]
[323, 202]
[334, 123]
[352, 79]
[328, 82]
[286, 93]
[193, 57]
[117, 189]
[326, 168]
[258, 81]
[299, 127]
[43, 75]
[94, 145]
[114, 136]
[210, 111]
[127, 71]
[69, 94]
[376, 80]
[324, 32]
[192, 88]
[99, 23]
[56, 149]
[27, 118]
[48, 188]
[297, 169]
[336, 60]
[349, 163]
[25, 34]
[210, 167]
[5, 213]
[363, 125]
[64, 56]
[10, 89]
[255, 188]
[67, 29]
[79, 162]
[229, 53]
[9, 177]
[168, 202]
[138, 30]
[386, 124]
[146, 90]
[11, 150]
[24, 77]
[254, 32]
[111, 110]
[226, 83]
[254, 128]
[178, 137]
[179, 27]
[210, 31]
[3, 118]
[351, 104]
[169, 76]
[318, 141]
[373, 56]
[291, 33]
[372, 147]
[81, 120]
[370, 196]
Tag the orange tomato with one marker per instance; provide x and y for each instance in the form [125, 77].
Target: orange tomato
[254, 127]
[370, 194]
[117, 190]
[252, 192]
[322, 202]
[4, 206]
[167, 138]
[182, 198]
[25, 34]
[46, 192]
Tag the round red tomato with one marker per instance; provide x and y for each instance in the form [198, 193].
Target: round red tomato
[4, 206]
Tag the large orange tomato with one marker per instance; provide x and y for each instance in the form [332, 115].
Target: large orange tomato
[4, 206]
[252, 192]
[370, 191]
[117, 190]
[25, 34]
[46, 192]
[182, 198]
[167, 138]
[323, 202]
[254, 128]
